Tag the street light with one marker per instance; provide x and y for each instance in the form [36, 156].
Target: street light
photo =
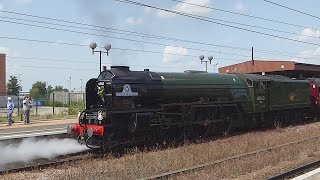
[80, 85]
[20, 87]
[210, 58]
[70, 83]
[107, 47]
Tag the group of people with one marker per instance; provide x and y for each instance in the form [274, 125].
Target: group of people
[26, 105]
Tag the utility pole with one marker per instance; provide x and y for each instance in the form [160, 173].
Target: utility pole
[252, 59]
[70, 83]
[69, 90]
[20, 87]
[80, 85]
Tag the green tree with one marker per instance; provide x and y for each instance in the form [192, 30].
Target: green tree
[39, 90]
[13, 86]
[60, 88]
[49, 89]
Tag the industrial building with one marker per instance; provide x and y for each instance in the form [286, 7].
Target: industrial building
[2, 74]
[286, 68]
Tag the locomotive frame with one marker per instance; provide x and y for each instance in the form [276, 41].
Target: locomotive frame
[125, 108]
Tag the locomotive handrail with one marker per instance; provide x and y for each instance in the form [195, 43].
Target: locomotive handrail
[133, 111]
[96, 105]
[206, 103]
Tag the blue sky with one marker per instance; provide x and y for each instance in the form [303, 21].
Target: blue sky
[55, 63]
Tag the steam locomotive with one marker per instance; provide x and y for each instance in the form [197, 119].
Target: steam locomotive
[125, 108]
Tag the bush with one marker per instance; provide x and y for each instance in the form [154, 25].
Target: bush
[56, 104]
[75, 107]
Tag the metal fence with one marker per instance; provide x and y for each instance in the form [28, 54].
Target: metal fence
[45, 104]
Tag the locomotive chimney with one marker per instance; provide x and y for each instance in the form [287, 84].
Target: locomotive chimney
[121, 68]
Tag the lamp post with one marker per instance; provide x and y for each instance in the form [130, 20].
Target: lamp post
[70, 83]
[20, 87]
[107, 47]
[201, 57]
[80, 85]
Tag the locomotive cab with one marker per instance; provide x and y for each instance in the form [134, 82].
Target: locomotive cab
[99, 91]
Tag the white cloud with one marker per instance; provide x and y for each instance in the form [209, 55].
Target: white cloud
[147, 9]
[308, 56]
[60, 41]
[9, 52]
[21, 2]
[86, 42]
[1, 6]
[168, 50]
[4, 50]
[12, 66]
[239, 7]
[187, 8]
[308, 32]
[134, 21]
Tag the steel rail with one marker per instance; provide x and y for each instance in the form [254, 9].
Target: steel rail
[202, 166]
[54, 163]
[293, 172]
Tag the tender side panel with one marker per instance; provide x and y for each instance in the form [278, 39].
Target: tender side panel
[289, 94]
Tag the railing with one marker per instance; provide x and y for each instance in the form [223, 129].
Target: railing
[56, 103]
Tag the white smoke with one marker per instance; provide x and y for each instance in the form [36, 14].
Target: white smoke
[30, 149]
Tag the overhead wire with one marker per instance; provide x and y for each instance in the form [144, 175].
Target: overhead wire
[295, 10]
[202, 18]
[115, 48]
[134, 32]
[119, 38]
[121, 30]
[156, 37]
[246, 15]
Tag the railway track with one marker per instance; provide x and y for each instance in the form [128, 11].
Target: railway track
[47, 163]
[203, 166]
[297, 171]
[88, 154]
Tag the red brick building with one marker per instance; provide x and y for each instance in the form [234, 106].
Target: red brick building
[2, 74]
[286, 68]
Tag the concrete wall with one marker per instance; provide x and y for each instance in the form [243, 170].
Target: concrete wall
[66, 97]
[2, 74]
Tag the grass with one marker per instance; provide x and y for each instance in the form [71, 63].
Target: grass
[138, 164]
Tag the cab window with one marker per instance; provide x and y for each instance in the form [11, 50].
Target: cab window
[249, 82]
[262, 86]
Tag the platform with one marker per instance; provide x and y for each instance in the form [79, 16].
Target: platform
[312, 175]
[35, 128]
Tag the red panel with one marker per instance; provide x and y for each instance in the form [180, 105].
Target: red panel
[314, 93]
[97, 130]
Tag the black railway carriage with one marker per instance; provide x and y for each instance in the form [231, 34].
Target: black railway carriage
[128, 107]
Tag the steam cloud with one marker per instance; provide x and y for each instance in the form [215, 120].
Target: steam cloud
[30, 149]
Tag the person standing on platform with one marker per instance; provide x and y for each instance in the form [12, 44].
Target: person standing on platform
[26, 109]
[10, 108]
